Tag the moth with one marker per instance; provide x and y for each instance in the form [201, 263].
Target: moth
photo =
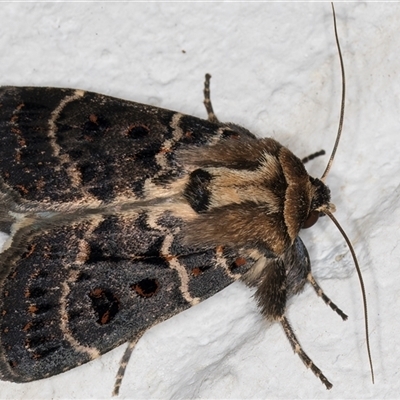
[121, 215]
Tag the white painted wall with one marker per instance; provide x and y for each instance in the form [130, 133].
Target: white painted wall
[275, 71]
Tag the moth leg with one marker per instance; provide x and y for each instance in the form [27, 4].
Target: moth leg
[324, 297]
[312, 156]
[303, 356]
[124, 363]
[207, 101]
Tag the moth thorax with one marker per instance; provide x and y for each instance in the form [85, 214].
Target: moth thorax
[216, 187]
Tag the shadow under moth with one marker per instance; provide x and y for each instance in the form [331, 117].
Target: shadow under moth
[121, 215]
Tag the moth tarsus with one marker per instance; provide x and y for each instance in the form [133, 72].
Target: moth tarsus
[122, 215]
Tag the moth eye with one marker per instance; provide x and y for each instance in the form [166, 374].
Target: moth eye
[311, 219]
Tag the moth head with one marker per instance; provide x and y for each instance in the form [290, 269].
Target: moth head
[320, 202]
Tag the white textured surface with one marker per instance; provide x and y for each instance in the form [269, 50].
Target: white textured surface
[275, 71]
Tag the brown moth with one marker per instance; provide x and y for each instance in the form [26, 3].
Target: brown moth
[122, 215]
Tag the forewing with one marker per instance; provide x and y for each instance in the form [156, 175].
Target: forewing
[72, 292]
[65, 148]
[96, 254]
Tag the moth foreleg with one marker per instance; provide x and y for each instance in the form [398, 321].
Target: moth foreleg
[207, 100]
[303, 356]
[124, 362]
[324, 297]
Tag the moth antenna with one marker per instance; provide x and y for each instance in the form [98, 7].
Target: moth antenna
[339, 133]
[364, 296]
[328, 213]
